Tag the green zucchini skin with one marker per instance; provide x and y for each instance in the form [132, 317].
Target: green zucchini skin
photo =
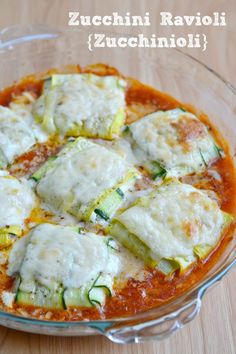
[6, 239]
[86, 296]
[76, 297]
[49, 163]
[109, 206]
[105, 208]
[132, 243]
[41, 297]
[157, 171]
[141, 250]
[43, 169]
[94, 294]
[102, 214]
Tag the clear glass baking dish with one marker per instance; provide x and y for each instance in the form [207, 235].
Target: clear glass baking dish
[26, 50]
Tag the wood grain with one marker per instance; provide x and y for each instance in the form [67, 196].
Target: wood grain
[214, 331]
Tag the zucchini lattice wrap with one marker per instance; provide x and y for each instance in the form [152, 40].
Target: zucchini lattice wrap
[59, 267]
[82, 104]
[86, 180]
[171, 227]
[172, 143]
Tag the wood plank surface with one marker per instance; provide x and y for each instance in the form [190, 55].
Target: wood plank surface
[214, 330]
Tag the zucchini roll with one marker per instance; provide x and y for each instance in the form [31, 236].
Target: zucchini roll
[86, 180]
[171, 227]
[172, 144]
[59, 267]
[82, 104]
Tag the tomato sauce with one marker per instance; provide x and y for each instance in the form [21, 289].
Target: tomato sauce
[155, 289]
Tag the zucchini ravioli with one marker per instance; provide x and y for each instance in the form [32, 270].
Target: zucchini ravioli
[173, 143]
[82, 104]
[60, 267]
[115, 198]
[86, 180]
[171, 226]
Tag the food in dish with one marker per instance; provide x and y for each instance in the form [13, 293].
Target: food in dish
[116, 198]
[59, 267]
[171, 226]
[173, 143]
[82, 104]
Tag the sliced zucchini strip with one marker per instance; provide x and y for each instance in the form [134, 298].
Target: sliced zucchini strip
[132, 243]
[8, 235]
[167, 266]
[141, 250]
[60, 266]
[156, 170]
[43, 169]
[77, 145]
[101, 288]
[117, 124]
[202, 250]
[90, 295]
[41, 297]
[74, 297]
[106, 206]
[93, 294]
[86, 296]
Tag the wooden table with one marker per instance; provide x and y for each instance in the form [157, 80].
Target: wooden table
[214, 331]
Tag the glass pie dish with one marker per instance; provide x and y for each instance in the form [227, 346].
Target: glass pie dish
[36, 49]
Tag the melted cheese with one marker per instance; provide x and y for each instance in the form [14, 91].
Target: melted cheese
[52, 255]
[176, 139]
[122, 147]
[81, 176]
[174, 219]
[81, 103]
[16, 137]
[8, 298]
[25, 112]
[129, 265]
[17, 200]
